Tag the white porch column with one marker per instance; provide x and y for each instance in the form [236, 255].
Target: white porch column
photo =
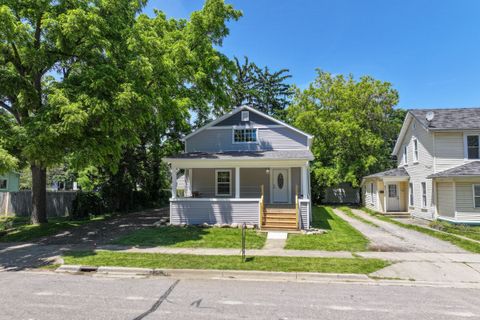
[174, 171]
[237, 182]
[304, 181]
[190, 188]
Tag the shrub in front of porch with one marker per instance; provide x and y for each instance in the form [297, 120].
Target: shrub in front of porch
[193, 237]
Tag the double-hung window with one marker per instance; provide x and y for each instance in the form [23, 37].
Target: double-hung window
[473, 147]
[415, 150]
[405, 154]
[476, 195]
[410, 194]
[424, 194]
[244, 135]
[223, 182]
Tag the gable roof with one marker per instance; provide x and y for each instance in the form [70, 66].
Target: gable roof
[235, 111]
[444, 120]
[471, 169]
[449, 119]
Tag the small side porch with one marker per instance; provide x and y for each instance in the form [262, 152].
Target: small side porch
[273, 195]
[388, 192]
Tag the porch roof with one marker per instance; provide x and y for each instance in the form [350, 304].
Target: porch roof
[471, 169]
[245, 155]
[397, 172]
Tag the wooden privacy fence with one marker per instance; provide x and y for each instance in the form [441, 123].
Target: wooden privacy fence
[344, 193]
[59, 203]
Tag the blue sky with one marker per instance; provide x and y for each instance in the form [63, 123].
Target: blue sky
[428, 50]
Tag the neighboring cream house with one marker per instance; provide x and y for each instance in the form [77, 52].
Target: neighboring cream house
[438, 173]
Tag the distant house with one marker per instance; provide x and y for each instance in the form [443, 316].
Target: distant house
[9, 182]
[438, 173]
[244, 167]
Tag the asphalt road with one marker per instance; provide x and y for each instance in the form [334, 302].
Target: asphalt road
[26, 295]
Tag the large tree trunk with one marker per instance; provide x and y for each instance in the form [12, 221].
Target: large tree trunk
[39, 194]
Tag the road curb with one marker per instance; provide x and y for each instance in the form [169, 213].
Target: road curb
[213, 274]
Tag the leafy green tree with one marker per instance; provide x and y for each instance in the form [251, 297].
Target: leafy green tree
[355, 124]
[80, 77]
[259, 88]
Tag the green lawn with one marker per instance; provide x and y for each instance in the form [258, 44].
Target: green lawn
[184, 261]
[340, 235]
[19, 229]
[472, 232]
[462, 243]
[193, 237]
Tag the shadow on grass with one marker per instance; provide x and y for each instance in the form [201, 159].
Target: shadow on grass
[321, 218]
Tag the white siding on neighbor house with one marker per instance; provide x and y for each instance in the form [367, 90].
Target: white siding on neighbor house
[449, 151]
[445, 199]
[218, 140]
[465, 206]
[370, 200]
[420, 170]
[199, 211]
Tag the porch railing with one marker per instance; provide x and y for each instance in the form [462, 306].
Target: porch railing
[262, 205]
[297, 207]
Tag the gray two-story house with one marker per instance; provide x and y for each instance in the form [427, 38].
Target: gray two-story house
[438, 172]
[244, 167]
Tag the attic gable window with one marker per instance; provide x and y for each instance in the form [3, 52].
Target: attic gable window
[472, 147]
[244, 135]
[245, 116]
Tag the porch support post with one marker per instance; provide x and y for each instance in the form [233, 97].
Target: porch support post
[174, 171]
[237, 182]
[304, 181]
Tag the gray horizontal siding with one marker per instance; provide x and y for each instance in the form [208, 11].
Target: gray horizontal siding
[211, 212]
[218, 140]
[304, 214]
[254, 119]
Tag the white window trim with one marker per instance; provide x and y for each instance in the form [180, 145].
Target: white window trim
[415, 150]
[473, 194]
[405, 154]
[6, 184]
[411, 197]
[424, 204]
[247, 117]
[216, 183]
[465, 144]
[244, 128]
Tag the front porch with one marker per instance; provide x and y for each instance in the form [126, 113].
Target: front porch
[269, 197]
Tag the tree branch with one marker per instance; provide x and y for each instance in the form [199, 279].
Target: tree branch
[10, 110]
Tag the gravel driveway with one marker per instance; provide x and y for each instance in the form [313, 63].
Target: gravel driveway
[390, 237]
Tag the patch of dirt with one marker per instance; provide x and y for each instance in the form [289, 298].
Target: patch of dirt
[103, 232]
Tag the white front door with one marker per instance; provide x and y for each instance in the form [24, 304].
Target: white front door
[393, 197]
[280, 185]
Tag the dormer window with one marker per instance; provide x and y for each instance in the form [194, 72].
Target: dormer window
[245, 116]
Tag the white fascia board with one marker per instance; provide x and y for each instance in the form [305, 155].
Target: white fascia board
[236, 110]
[403, 131]
[232, 163]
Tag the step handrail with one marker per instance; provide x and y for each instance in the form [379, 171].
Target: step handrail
[296, 206]
[261, 205]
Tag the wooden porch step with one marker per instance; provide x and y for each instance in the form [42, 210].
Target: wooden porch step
[289, 226]
[282, 219]
[279, 215]
[280, 210]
